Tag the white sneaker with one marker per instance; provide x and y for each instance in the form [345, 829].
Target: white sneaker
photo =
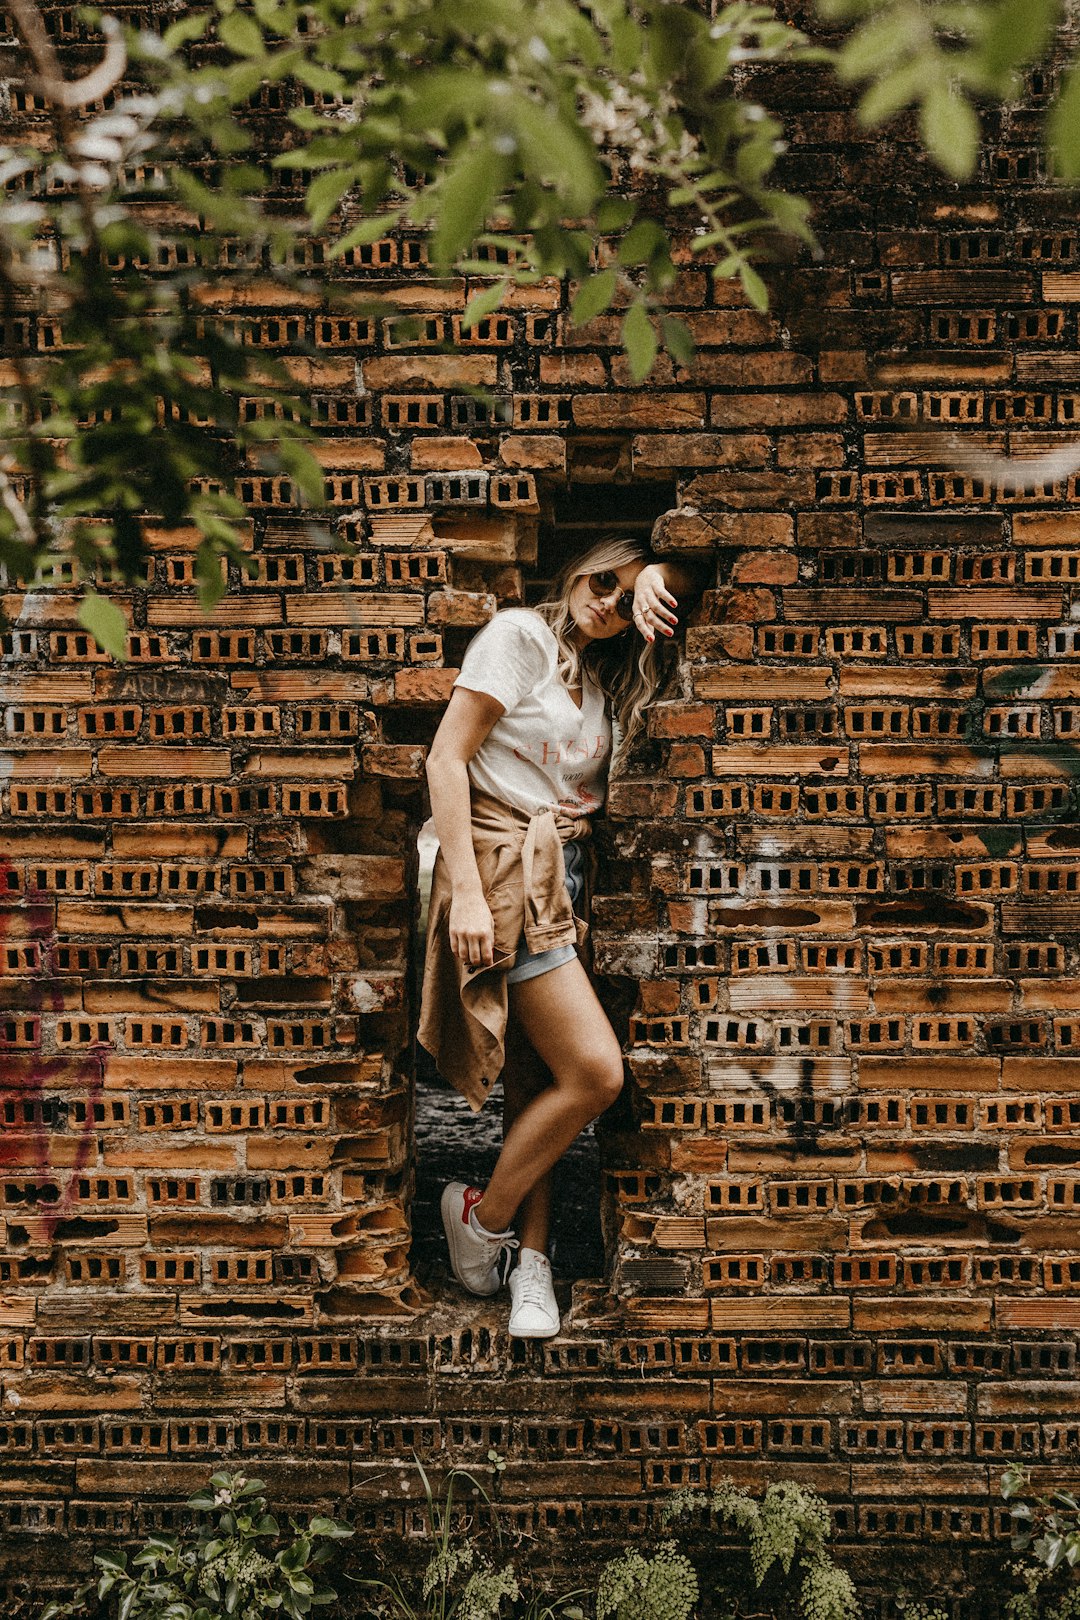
[474, 1253]
[534, 1313]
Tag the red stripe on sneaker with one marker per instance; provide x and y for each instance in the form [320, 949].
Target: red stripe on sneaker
[469, 1199]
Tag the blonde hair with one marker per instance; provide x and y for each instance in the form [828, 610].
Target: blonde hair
[629, 671]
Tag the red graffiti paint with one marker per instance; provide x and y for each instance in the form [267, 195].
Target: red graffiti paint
[27, 1074]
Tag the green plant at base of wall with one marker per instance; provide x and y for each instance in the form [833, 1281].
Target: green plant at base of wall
[1041, 1597]
[458, 1581]
[920, 1608]
[636, 1587]
[231, 1562]
[1047, 1529]
[786, 1531]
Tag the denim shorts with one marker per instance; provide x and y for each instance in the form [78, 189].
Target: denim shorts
[530, 964]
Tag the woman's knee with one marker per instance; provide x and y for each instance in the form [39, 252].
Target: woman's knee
[610, 1084]
[596, 1082]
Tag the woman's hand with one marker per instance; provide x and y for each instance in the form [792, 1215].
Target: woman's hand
[472, 932]
[654, 604]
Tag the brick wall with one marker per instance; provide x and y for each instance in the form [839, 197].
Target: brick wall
[842, 1201]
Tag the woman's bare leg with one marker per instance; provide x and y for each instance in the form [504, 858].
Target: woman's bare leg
[523, 1078]
[564, 1023]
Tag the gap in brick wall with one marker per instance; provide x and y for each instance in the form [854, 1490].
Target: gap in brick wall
[453, 1144]
[576, 515]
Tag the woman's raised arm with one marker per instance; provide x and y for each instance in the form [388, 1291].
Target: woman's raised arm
[468, 719]
[656, 592]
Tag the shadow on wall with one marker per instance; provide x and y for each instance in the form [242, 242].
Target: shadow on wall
[454, 1144]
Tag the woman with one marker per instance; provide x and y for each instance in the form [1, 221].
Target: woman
[518, 766]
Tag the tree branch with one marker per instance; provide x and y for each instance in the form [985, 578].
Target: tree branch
[61, 92]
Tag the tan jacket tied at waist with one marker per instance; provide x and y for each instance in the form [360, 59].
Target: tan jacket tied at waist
[464, 1010]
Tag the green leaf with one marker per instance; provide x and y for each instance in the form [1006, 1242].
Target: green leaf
[1063, 126]
[677, 339]
[332, 1528]
[368, 230]
[753, 286]
[318, 78]
[791, 214]
[556, 152]
[325, 192]
[105, 622]
[950, 130]
[295, 1557]
[628, 43]
[639, 341]
[184, 32]
[642, 242]
[841, 10]
[242, 34]
[892, 92]
[1018, 32]
[889, 38]
[114, 1562]
[614, 213]
[212, 585]
[465, 198]
[482, 303]
[594, 296]
[303, 468]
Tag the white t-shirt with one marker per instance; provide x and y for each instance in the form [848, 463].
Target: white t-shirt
[544, 752]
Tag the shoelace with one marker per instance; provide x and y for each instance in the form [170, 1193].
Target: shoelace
[535, 1285]
[500, 1246]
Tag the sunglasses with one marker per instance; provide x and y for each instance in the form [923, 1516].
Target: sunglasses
[605, 584]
